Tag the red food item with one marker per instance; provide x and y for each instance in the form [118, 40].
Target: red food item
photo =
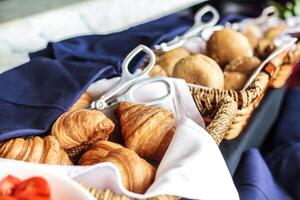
[7, 198]
[8, 184]
[32, 188]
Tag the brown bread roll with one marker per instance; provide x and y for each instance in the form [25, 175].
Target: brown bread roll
[264, 48]
[157, 71]
[253, 34]
[234, 80]
[273, 32]
[201, 70]
[168, 60]
[226, 45]
[245, 65]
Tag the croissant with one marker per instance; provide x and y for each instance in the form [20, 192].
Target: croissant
[83, 102]
[77, 127]
[36, 150]
[97, 152]
[136, 173]
[148, 130]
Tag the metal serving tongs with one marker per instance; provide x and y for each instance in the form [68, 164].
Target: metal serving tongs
[267, 14]
[198, 26]
[280, 49]
[131, 82]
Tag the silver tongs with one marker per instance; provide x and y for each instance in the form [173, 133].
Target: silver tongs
[198, 26]
[126, 89]
[267, 14]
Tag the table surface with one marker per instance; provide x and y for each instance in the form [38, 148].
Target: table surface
[70, 19]
[12, 9]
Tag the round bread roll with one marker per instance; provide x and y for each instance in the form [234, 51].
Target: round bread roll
[253, 34]
[234, 80]
[273, 32]
[201, 70]
[264, 47]
[169, 59]
[157, 70]
[245, 65]
[226, 45]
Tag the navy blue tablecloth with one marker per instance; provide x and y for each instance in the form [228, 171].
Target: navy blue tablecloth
[275, 173]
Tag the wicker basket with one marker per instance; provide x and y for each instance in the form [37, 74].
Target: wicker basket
[273, 75]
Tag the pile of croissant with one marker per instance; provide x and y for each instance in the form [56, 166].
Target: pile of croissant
[146, 132]
[230, 59]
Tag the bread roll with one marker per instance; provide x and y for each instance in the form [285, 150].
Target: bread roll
[157, 70]
[245, 65]
[264, 47]
[169, 59]
[226, 45]
[253, 34]
[234, 80]
[201, 70]
[273, 32]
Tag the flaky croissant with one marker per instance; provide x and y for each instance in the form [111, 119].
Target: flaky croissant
[136, 173]
[36, 150]
[148, 130]
[83, 102]
[97, 152]
[77, 127]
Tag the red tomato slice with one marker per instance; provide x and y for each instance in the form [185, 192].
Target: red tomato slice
[32, 188]
[8, 184]
[7, 198]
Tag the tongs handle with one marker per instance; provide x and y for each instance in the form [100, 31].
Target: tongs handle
[199, 23]
[266, 14]
[127, 77]
[198, 26]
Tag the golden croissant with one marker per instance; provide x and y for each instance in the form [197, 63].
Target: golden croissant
[136, 173]
[77, 127]
[148, 130]
[83, 102]
[36, 150]
[97, 152]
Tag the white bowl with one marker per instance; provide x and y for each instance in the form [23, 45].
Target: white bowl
[61, 186]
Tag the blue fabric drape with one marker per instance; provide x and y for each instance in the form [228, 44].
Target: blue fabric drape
[283, 151]
[254, 180]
